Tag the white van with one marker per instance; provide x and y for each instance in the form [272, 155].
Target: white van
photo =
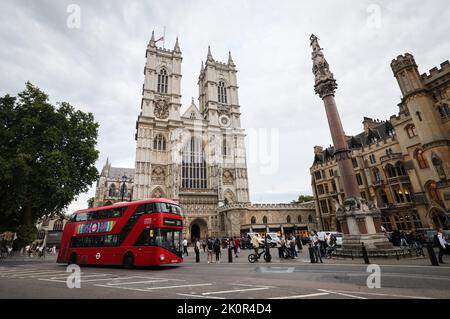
[273, 240]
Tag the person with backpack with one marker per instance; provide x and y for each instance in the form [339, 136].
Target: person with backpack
[217, 250]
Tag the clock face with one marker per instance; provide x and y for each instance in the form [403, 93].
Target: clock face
[224, 121]
[161, 109]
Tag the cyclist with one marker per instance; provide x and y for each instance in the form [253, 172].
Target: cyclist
[255, 244]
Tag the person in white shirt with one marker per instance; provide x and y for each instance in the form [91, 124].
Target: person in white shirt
[443, 245]
[185, 245]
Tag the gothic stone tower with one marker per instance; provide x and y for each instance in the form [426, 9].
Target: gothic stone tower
[197, 158]
[361, 223]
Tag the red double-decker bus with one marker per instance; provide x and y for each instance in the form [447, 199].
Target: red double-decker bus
[140, 233]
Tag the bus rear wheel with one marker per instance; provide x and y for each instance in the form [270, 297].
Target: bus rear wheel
[128, 260]
[73, 259]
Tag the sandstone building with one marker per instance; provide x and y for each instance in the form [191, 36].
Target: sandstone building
[402, 164]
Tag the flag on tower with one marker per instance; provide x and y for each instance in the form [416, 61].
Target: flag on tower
[162, 38]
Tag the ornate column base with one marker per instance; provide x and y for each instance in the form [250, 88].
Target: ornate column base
[361, 222]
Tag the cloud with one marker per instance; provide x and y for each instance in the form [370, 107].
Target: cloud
[99, 67]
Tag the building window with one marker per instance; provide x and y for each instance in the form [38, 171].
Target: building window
[376, 174]
[58, 225]
[411, 131]
[416, 221]
[390, 171]
[288, 219]
[320, 189]
[159, 143]
[400, 169]
[423, 163]
[372, 159]
[433, 192]
[331, 173]
[318, 175]
[194, 165]
[324, 206]
[310, 219]
[384, 198]
[222, 92]
[355, 163]
[326, 188]
[402, 195]
[112, 190]
[359, 179]
[265, 220]
[225, 146]
[163, 81]
[253, 220]
[444, 111]
[299, 218]
[46, 221]
[41, 234]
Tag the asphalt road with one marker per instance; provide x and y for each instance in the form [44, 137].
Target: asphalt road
[297, 279]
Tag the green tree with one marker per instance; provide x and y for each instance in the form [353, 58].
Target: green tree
[304, 198]
[47, 156]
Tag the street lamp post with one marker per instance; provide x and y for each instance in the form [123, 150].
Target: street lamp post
[122, 190]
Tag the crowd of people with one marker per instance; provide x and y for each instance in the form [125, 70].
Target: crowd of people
[30, 250]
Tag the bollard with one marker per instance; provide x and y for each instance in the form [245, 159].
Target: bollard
[197, 256]
[230, 254]
[432, 255]
[268, 255]
[311, 255]
[365, 256]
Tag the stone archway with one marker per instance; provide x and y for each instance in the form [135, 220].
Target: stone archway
[198, 229]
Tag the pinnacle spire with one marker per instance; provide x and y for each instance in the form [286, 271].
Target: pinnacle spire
[177, 47]
[201, 67]
[209, 57]
[230, 59]
[152, 39]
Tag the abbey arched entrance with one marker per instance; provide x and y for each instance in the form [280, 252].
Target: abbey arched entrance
[198, 229]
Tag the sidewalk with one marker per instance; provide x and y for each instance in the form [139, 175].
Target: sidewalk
[303, 258]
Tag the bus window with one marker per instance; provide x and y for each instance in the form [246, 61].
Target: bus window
[81, 217]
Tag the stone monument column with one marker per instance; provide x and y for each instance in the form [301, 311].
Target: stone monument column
[361, 222]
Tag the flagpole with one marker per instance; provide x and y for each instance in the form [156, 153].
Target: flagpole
[164, 38]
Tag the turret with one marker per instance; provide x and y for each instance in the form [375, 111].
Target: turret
[407, 74]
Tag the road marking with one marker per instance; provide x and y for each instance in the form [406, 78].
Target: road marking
[235, 290]
[179, 286]
[153, 288]
[379, 294]
[341, 294]
[302, 296]
[259, 286]
[200, 296]
[137, 282]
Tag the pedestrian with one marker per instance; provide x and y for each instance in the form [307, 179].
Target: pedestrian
[54, 250]
[217, 250]
[185, 246]
[443, 245]
[210, 246]
[204, 245]
[292, 246]
[281, 247]
[236, 247]
[197, 247]
[316, 247]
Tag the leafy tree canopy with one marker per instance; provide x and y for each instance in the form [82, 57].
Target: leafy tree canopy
[47, 155]
[304, 198]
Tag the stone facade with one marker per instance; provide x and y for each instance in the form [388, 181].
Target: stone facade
[284, 219]
[110, 186]
[197, 158]
[402, 164]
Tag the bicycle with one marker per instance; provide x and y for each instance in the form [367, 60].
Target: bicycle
[331, 250]
[252, 258]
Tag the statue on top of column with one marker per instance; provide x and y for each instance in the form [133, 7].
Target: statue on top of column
[325, 84]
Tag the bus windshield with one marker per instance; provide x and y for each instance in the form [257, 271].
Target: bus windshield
[168, 208]
[166, 238]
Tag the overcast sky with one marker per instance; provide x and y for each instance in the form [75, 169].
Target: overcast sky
[98, 66]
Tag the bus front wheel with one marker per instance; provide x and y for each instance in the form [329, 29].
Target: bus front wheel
[128, 260]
